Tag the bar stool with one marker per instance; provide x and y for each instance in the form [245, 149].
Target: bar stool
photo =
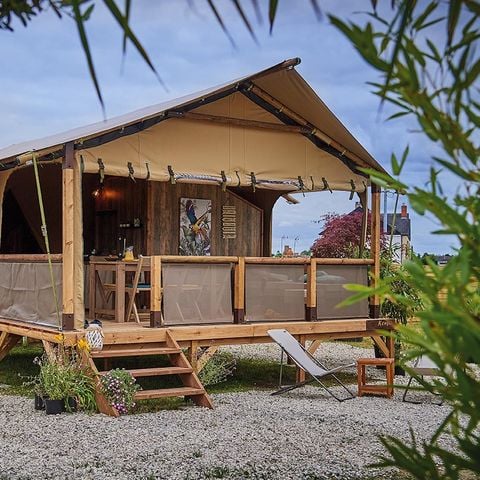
[363, 387]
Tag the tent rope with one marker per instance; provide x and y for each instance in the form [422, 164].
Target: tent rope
[45, 236]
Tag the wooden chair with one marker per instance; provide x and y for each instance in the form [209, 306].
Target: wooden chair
[136, 287]
[131, 289]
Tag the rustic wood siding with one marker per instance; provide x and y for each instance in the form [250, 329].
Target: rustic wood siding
[164, 219]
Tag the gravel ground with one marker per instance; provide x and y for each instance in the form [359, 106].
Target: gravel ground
[300, 435]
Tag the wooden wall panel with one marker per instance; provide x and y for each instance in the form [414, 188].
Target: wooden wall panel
[164, 219]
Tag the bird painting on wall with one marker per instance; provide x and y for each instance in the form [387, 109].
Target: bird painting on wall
[194, 228]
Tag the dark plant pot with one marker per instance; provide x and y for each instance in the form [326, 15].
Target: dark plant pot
[399, 371]
[54, 407]
[39, 402]
[71, 404]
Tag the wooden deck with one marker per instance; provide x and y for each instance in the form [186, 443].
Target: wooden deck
[212, 335]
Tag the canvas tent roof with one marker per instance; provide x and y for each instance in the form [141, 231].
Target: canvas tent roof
[325, 150]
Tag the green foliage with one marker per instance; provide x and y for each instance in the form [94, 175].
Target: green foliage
[120, 388]
[62, 376]
[218, 369]
[436, 82]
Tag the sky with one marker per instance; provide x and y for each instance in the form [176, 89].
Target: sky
[46, 87]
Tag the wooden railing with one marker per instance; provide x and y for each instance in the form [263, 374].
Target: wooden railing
[30, 258]
[239, 265]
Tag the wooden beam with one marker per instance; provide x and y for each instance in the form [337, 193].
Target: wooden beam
[49, 350]
[156, 319]
[195, 259]
[240, 122]
[382, 345]
[375, 249]
[30, 258]
[304, 123]
[300, 372]
[314, 347]
[68, 212]
[193, 354]
[205, 357]
[311, 306]
[363, 234]
[7, 342]
[239, 291]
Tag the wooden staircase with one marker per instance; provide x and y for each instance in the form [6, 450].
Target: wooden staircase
[192, 387]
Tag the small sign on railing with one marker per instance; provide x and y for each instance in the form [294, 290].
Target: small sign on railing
[229, 221]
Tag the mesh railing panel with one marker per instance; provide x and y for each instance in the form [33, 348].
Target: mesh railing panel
[330, 291]
[197, 294]
[26, 292]
[274, 292]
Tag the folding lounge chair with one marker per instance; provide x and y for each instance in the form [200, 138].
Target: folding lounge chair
[304, 360]
[424, 367]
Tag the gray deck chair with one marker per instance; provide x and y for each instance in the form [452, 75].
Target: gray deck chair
[304, 360]
[424, 367]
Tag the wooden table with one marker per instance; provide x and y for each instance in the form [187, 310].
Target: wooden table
[120, 269]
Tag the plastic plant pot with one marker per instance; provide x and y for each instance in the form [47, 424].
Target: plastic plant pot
[39, 402]
[54, 407]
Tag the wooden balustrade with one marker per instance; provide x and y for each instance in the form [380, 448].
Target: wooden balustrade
[30, 258]
[239, 266]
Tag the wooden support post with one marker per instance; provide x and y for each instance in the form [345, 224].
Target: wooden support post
[68, 254]
[382, 345]
[300, 375]
[193, 354]
[49, 348]
[239, 291]
[391, 347]
[363, 235]
[206, 356]
[311, 305]
[156, 292]
[375, 250]
[314, 346]
[7, 342]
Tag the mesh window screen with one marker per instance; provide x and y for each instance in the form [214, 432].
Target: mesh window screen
[274, 292]
[330, 291]
[197, 294]
[26, 292]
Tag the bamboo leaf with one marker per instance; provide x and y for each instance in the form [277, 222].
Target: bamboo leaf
[127, 18]
[245, 20]
[453, 16]
[77, 15]
[220, 21]
[122, 21]
[272, 13]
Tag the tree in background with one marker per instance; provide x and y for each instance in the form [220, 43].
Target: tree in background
[341, 236]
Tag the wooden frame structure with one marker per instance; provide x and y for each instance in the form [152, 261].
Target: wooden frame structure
[295, 115]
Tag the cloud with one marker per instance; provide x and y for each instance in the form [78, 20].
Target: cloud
[46, 88]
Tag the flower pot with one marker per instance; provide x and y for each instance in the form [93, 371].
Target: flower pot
[71, 404]
[39, 402]
[54, 407]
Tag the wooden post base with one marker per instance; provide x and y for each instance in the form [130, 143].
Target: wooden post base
[363, 387]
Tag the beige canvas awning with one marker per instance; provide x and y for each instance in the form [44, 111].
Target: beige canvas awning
[269, 128]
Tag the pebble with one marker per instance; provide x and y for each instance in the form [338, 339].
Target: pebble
[304, 434]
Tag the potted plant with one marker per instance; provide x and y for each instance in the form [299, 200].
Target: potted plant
[120, 387]
[64, 383]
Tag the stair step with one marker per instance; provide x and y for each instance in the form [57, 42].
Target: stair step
[168, 392]
[157, 371]
[134, 352]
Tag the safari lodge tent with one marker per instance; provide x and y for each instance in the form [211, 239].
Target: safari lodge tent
[190, 184]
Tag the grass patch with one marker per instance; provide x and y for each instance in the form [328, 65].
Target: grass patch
[249, 374]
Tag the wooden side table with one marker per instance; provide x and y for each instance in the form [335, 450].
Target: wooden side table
[363, 387]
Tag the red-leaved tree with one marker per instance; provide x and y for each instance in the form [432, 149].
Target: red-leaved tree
[340, 237]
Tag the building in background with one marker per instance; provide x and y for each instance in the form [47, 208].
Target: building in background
[401, 232]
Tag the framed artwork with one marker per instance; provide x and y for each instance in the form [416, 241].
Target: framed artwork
[195, 226]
